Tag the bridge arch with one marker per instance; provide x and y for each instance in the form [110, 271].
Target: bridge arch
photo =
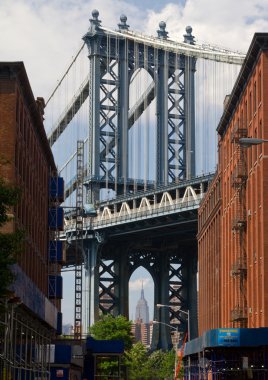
[144, 205]
[125, 209]
[189, 194]
[106, 213]
[141, 295]
[166, 200]
[143, 120]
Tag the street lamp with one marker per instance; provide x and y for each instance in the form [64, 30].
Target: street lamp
[247, 142]
[176, 341]
[180, 311]
[188, 327]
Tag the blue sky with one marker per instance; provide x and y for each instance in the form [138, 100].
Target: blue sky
[45, 34]
[156, 5]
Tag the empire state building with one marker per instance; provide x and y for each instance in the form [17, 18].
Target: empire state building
[142, 309]
[141, 327]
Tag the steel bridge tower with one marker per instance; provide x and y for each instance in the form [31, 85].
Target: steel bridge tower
[113, 58]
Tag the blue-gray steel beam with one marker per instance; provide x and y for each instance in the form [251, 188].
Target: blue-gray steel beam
[122, 268]
[123, 100]
[190, 68]
[92, 40]
[91, 251]
[162, 116]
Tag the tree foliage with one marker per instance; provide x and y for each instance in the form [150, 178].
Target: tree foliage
[10, 243]
[137, 362]
[140, 364]
[162, 364]
[9, 196]
[150, 366]
[113, 328]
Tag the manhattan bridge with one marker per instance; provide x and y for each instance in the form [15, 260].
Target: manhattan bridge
[132, 125]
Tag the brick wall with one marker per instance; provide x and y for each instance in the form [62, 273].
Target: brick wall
[24, 149]
[233, 238]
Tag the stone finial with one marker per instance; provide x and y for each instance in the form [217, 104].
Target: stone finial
[162, 30]
[94, 21]
[123, 25]
[188, 38]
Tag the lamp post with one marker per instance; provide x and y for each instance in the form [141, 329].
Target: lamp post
[188, 327]
[180, 311]
[176, 341]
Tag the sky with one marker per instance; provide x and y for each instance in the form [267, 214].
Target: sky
[46, 34]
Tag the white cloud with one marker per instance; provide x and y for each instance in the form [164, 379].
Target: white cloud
[46, 34]
[223, 22]
[136, 285]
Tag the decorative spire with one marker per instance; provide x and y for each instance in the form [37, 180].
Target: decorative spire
[142, 291]
[162, 31]
[123, 25]
[188, 38]
[94, 21]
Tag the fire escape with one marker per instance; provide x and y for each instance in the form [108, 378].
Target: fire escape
[239, 225]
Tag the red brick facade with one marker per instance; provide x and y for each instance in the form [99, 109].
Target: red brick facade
[233, 218]
[209, 257]
[26, 160]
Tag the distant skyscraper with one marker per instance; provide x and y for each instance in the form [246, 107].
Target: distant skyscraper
[141, 327]
[142, 309]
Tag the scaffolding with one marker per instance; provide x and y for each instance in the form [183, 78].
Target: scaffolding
[79, 241]
[56, 248]
[24, 344]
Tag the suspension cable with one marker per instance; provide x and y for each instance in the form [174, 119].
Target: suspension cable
[66, 72]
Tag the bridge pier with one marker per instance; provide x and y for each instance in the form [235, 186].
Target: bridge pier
[91, 252]
[161, 332]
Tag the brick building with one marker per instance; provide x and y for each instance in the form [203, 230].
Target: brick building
[233, 235]
[233, 217]
[27, 161]
[209, 225]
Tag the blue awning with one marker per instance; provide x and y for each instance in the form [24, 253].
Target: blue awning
[228, 337]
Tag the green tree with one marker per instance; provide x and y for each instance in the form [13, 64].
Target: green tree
[10, 243]
[140, 364]
[162, 364]
[154, 366]
[137, 362]
[113, 328]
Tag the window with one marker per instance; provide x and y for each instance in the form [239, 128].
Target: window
[246, 114]
[254, 97]
[259, 87]
[255, 148]
[260, 136]
[250, 106]
[250, 158]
